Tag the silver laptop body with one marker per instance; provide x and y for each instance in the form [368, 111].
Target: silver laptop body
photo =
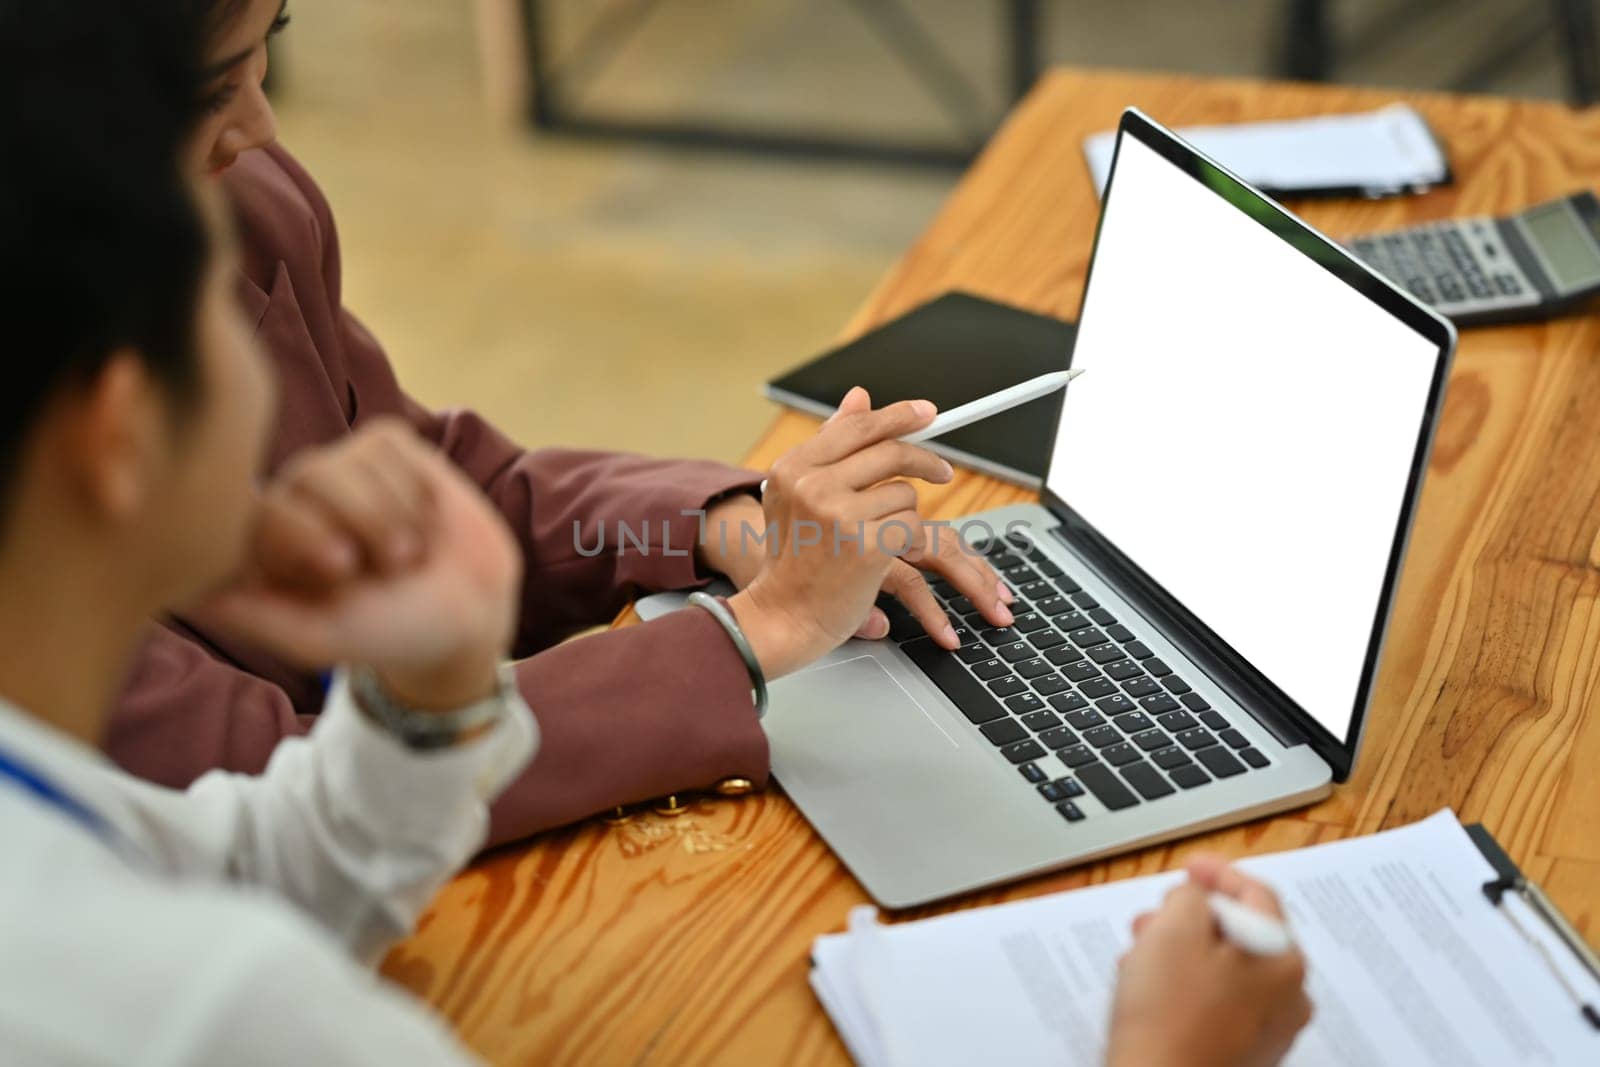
[922, 802]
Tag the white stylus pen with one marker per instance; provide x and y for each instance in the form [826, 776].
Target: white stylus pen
[1258, 934]
[993, 404]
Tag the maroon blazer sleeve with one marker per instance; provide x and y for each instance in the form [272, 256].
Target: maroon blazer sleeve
[183, 712]
[624, 716]
[607, 736]
[663, 706]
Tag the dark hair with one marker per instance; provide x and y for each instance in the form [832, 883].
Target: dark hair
[101, 244]
[215, 16]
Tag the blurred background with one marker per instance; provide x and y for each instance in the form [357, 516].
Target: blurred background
[610, 293]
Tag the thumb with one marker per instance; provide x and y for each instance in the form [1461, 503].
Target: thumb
[857, 399]
[875, 626]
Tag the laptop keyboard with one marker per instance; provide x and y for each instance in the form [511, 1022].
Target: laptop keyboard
[1070, 694]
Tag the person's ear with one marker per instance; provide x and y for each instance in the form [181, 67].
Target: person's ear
[116, 438]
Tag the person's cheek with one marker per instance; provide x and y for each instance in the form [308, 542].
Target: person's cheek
[203, 148]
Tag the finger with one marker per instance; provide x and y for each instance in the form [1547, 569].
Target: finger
[1206, 868]
[1184, 915]
[1141, 922]
[291, 629]
[883, 500]
[971, 575]
[1222, 877]
[400, 495]
[396, 470]
[875, 627]
[976, 557]
[857, 399]
[899, 534]
[908, 586]
[891, 459]
[296, 546]
[351, 499]
[850, 433]
[1285, 976]
[1303, 1010]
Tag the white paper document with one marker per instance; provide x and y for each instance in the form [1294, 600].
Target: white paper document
[1384, 151]
[1410, 965]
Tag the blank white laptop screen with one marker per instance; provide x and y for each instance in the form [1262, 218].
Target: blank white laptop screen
[1245, 428]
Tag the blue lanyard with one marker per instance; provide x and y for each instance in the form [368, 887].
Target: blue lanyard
[47, 791]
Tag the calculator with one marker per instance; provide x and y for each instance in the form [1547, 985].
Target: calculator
[1521, 268]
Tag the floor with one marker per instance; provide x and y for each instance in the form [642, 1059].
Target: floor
[635, 298]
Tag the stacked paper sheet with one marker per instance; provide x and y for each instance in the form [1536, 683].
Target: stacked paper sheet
[1410, 965]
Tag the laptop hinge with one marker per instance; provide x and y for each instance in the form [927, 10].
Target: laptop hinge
[1279, 725]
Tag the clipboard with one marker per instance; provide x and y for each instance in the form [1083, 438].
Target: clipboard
[1409, 928]
[1277, 156]
[1511, 880]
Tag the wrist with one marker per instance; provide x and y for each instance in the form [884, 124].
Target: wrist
[461, 681]
[726, 536]
[1126, 1053]
[779, 644]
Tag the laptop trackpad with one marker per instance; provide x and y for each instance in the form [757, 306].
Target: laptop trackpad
[834, 723]
[849, 735]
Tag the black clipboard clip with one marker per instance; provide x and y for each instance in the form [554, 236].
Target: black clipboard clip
[1534, 897]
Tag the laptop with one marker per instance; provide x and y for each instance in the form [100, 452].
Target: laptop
[1202, 591]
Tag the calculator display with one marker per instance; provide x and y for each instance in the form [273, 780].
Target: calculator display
[1564, 244]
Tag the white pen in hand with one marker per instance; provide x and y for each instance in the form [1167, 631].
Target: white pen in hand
[1256, 932]
[993, 404]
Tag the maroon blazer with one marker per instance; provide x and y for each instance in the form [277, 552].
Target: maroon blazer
[624, 716]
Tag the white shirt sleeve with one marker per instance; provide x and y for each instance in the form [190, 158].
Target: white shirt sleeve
[348, 825]
[285, 998]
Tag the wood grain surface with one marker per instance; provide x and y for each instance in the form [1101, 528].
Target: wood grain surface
[684, 940]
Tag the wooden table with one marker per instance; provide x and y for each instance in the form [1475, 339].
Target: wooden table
[684, 940]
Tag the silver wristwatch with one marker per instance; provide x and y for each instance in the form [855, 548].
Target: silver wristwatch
[430, 730]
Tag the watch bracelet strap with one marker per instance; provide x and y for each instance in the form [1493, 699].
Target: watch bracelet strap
[719, 610]
[429, 730]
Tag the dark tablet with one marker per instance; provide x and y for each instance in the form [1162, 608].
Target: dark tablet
[952, 350]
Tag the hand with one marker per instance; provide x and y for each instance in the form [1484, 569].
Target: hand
[728, 549]
[1186, 997]
[840, 515]
[377, 551]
